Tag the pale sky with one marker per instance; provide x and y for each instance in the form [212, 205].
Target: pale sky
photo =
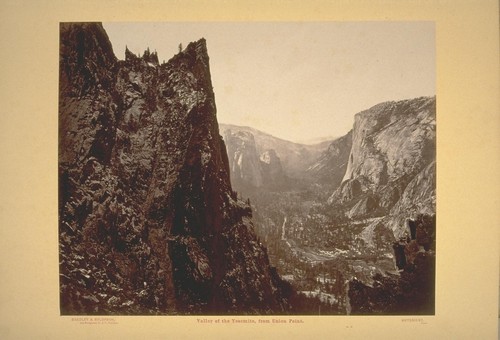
[298, 81]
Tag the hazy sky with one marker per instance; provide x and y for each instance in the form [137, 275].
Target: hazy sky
[298, 81]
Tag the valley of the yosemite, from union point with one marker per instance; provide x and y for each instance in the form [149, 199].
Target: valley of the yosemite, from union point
[165, 211]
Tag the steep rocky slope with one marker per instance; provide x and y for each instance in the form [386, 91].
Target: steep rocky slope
[392, 139]
[391, 165]
[148, 221]
[244, 161]
[410, 292]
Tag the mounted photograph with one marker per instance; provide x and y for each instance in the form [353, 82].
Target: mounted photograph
[247, 168]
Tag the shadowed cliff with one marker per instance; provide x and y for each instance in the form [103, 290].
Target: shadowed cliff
[148, 221]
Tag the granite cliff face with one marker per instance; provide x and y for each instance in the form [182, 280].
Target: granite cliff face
[330, 167]
[148, 221]
[392, 139]
[295, 158]
[243, 158]
[391, 165]
[251, 166]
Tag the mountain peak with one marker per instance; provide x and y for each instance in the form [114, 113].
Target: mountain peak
[87, 57]
[149, 223]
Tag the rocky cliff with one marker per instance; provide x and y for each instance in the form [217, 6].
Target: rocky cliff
[391, 165]
[392, 139]
[251, 165]
[244, 161]
[148, 221]
[295, 158]
[330, 167]
[412, 290]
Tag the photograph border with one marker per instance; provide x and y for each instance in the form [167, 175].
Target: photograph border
[468, 137]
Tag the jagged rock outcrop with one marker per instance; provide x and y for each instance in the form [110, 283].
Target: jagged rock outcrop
[148, 57]
[410, 292]
[148, 221]
[87, 60]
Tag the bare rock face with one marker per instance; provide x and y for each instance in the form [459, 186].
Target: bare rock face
[392, 139]
[331, 165]
[244, 161]
[249, 168]
[419, 197]
[148, 222]
[295, 158]
[391, 166]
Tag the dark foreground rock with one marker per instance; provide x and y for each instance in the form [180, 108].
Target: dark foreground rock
[148, 221]
[410, 292]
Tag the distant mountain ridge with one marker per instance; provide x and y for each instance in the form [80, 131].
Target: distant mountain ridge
[317, 140]
[383, 167]
[331, 165]
[294, 157]
[355, 198]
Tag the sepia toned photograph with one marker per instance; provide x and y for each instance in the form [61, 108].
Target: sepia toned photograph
[247, 168]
